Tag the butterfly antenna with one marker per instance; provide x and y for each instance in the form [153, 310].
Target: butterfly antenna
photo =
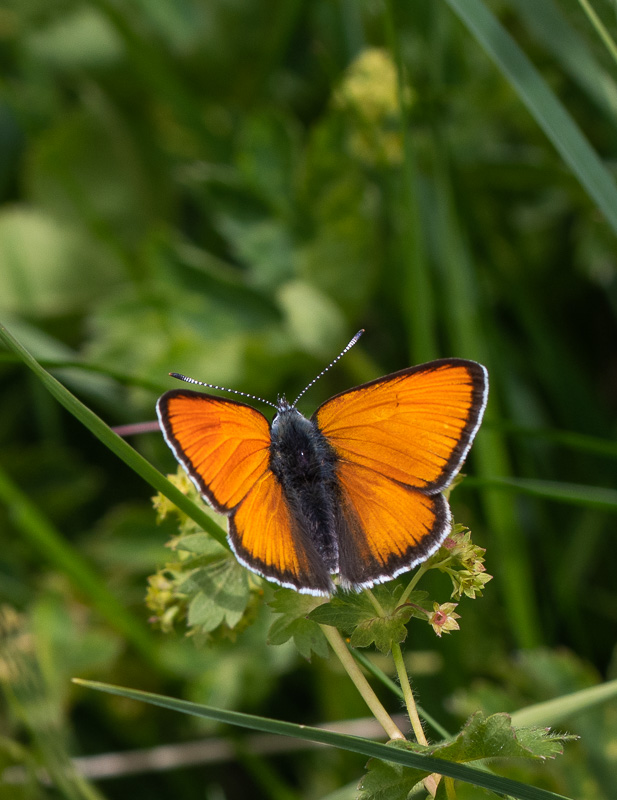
[331, 364]
[221, 388]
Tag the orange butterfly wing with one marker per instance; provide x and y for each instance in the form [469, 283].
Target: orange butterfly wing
[399, 441]
[225, 448]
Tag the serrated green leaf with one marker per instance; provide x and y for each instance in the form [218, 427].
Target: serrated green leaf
[293, 623]
[307, 636]
[357, 615]
[205, 613]
[491, 737]
[481, 738]
[344, 612]
[201, 544]
[383, 631]
[386, 781]
[223, 597]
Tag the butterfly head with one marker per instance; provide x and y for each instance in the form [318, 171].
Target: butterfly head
[283, 404]
[284, 411]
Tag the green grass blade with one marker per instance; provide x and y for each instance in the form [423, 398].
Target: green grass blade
[547, 21]
[48, 541]
[354, 744]
[574, 441]
[542, 103]
[419, 300]
[490, 454]
[114, 442]
[572, 493]
[554, 711]
[600, 28]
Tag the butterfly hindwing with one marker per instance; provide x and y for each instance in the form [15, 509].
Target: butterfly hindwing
[267, 538]
[385, 528]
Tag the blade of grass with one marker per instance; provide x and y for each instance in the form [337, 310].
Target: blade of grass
[550, 25]
[575, 441]
[490, 454]
[114, 442]
[599, 27]
[542, 103]
[554, 711]
[49, 542]
[546, 20]
[352, 743]
[571, 493]
[418, 302]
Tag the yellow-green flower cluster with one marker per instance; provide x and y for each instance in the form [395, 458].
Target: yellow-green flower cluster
[463, 561]
[369, 93]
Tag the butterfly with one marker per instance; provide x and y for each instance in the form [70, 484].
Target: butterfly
[353, 492]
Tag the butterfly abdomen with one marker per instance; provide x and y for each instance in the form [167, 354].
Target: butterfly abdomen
[304, 462]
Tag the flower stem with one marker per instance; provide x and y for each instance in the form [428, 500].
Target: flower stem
[412, 583]
[410, 703]
[362, 685]
[432, 781]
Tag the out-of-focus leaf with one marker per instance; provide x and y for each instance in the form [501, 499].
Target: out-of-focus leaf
[41, 261]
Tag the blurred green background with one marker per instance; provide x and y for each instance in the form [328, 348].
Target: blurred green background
[230, 190]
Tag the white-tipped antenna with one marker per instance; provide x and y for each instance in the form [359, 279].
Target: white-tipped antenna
[221, 388]
[331, 364]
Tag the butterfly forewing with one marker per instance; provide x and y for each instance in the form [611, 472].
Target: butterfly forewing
[223, 445]
[414, 426]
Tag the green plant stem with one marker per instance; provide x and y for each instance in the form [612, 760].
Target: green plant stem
[375, 602]
[600, 27]
[362, 685]
[432, 781]
[410, 703]
[396, 689]
[413, 583]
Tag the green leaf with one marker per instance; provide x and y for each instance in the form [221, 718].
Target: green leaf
[386, 781]
[293, 623]
[494, 737]
[354, 744]
[481, 738]
[356, 614]
[198, 544]
[224, 595]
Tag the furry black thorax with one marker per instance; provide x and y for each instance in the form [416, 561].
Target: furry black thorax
[304, 463]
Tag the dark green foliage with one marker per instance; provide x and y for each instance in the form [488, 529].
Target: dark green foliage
[230, 190]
